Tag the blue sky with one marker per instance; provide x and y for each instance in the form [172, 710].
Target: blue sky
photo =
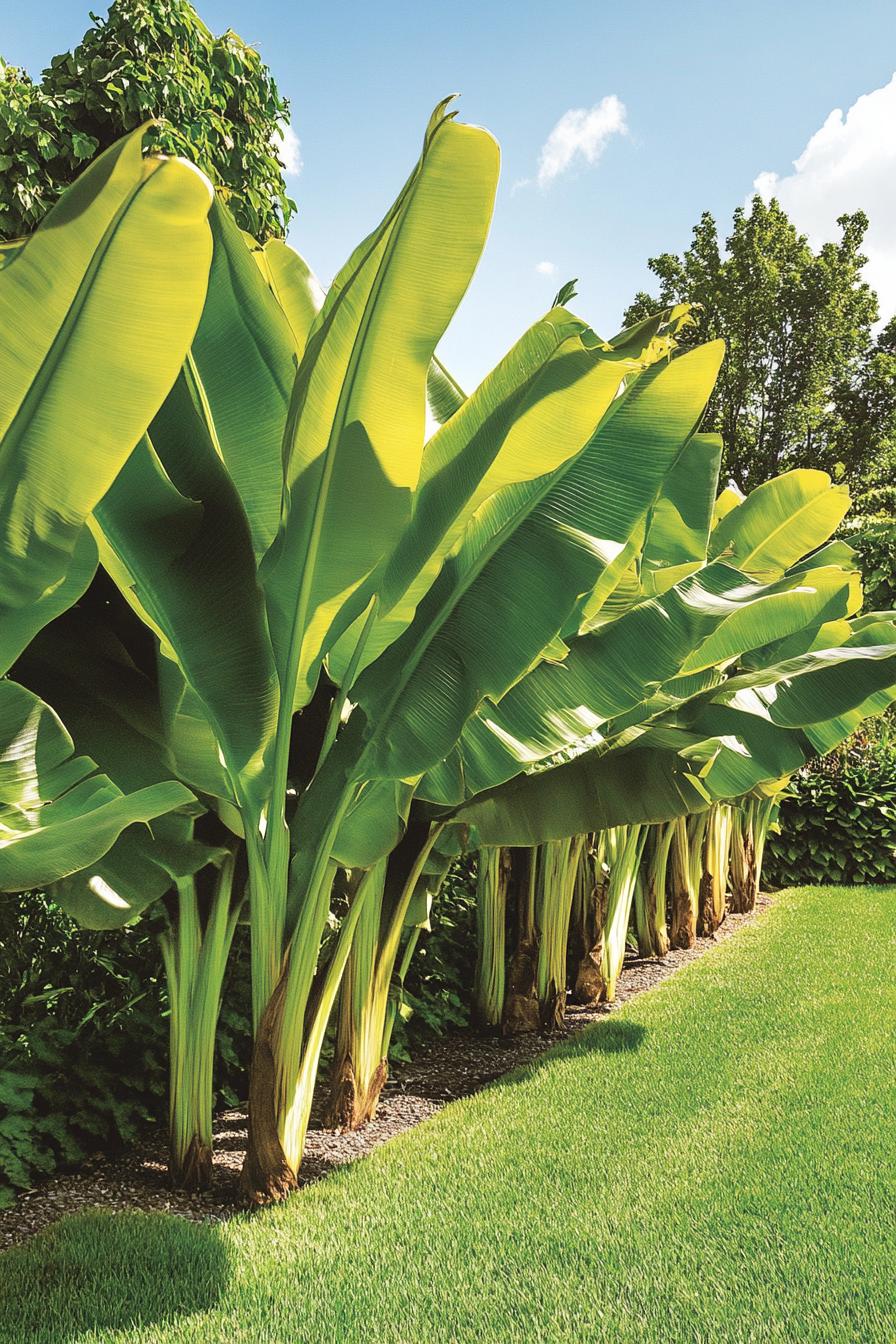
[694, 100]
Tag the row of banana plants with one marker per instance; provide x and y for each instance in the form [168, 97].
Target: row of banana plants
[570, 909]
[273, 654]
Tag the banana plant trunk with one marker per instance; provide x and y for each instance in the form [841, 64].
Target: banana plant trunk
[625, 845]
[557, 875]
[650, 893]
[714, 877]
[359, 1067]
[491, 937]
[289, 1040]
[521, 1012]
[750, 825]
[195, 953]
[372, 985]
[682, 892]
[589, 917]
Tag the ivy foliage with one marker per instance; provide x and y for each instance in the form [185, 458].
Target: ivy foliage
[838, 822]
[147, 59]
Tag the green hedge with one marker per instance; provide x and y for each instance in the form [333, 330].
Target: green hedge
[838, 824]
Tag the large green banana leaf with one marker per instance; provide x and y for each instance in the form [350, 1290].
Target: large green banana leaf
[877, 628]
[720, 750]
[833, 630]
[443, 393]
[174, 535]
[706, 620]
[532, 413]
[355, 435]
[198, 502]
[780, 522]
[293, 284]
[244, 364]
[139, 869]
[590, 793]
[111, 709]
[57, 813]
[528, 556]
[678, 531]
[98, 309]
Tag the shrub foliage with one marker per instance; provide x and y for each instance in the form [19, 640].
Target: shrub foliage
[838, 822]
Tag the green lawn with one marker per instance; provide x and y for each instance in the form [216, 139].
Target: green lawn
[716, 1162]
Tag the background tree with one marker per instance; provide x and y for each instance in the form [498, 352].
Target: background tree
[797, 324]
[146, 59]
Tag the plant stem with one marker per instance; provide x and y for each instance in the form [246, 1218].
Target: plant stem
[491, 919]
[195, 961]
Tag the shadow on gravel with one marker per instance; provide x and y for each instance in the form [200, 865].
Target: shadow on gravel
[69, 1280]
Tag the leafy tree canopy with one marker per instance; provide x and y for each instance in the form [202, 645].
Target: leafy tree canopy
[146, 59]
[803, 384]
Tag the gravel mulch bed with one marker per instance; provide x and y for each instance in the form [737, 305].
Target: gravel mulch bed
[451, 1067]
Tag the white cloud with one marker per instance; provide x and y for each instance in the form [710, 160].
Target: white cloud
[849, 164]
[290, 150]
[546, 268]
[581, 133]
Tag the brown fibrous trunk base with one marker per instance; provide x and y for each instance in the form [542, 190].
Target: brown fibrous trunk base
[351, 1106]
[521, 1009]
[194, 1171]
[709, 920]
[590, 987]
[552, 1012]
[267, 1176]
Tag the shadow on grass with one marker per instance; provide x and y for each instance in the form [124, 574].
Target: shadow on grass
[104, 1272]
[609, 1037]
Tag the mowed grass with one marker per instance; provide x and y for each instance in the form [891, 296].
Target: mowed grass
[715, 1162]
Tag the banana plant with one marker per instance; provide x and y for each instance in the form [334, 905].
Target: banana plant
[410, 704]
[371, 995]
[225, 530]
[650, 893]
[752, 820]
[589, 920]
[184, 868]
[98, 309]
